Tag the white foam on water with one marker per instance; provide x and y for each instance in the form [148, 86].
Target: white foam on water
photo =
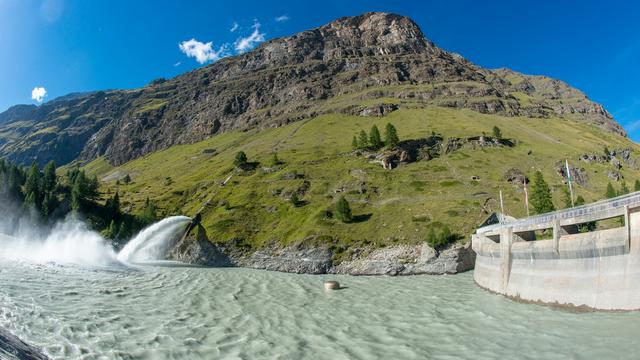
[69, 242]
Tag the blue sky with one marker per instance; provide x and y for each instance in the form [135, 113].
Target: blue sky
[73, 45]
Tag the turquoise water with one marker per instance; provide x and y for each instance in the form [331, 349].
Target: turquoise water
[162, 312]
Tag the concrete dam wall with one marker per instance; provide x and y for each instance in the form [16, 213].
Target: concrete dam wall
[598, 269]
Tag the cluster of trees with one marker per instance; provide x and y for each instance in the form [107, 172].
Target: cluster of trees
[52, 197]
[373, 140]
[624, 189]
[43, 191]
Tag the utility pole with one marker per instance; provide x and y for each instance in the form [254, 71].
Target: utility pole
[566, 164]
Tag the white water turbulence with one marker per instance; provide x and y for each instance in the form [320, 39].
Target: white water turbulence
[68, 242]
[154, 242]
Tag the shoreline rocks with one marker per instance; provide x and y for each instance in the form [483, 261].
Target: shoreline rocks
[196, 249]
[11, 347]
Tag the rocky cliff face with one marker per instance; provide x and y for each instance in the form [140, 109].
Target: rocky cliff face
[353, 65]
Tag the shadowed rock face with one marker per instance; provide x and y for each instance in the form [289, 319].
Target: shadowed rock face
[11, 347]
[340, 67]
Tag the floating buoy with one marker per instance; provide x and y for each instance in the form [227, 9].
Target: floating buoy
[331, 285]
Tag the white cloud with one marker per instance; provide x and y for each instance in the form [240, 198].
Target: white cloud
[38, 93]
[177, 64]
[282, 18]
[203, 52]
[234, 27]
[246, 43]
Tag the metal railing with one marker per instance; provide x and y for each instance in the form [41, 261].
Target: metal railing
[599, 210]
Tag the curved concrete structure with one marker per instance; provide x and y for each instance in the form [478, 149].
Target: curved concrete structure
[598, 269]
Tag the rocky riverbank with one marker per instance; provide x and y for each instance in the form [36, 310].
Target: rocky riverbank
[196, 248]
[11, 347]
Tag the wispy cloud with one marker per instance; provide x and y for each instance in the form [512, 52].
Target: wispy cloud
[177, 64]
[282, 18]
[38, 93]
[234, 27]
[247, 43]
[202, 52]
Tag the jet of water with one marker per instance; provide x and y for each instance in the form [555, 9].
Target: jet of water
[154, 242]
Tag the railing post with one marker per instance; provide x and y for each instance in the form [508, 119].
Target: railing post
[506, 239]
[627, 228]
[557, 232]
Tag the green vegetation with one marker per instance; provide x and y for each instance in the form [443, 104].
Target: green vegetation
[624, 189]
[374, 138]
[541, 195]
[566, 198]
[441, 239]
[497, 133]
[611, 192]
[363, 141]
[343, 210]
[391, 138]
[636, 186]
[240, 160]
[253, 208]
[275, 161]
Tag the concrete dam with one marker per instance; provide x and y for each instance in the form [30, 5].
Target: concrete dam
[598, 269]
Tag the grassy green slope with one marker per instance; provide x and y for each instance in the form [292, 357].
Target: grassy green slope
[408, 200]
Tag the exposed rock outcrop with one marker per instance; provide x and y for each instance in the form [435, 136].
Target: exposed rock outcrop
[411, 260]
[299, 259]
[309, 257]
[342, 67]
[196, 249]
[578, 174]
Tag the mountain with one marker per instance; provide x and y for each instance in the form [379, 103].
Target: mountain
[468, 137]
[369, 65]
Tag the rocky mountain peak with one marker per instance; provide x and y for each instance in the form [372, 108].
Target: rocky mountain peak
[369, 34]
[366, 65]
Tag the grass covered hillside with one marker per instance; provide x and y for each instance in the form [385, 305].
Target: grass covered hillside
[252, 208]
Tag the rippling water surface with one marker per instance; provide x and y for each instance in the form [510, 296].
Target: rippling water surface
[162, 312]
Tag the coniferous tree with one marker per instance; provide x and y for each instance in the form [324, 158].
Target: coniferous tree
[497, 133]
[636, 186]
[374, 138]
[391, 138]
[611, 192]
[354, 143]
[49, 204]
[49, 180]
[275, 160]
[32, 187]
[624, 189]
[295, 200]
[149, 213]
[113, 206]
[541, 195]
[566, 198]
[363, 140]
[112, 230]
[343, 211]
[127, 179]
[240, 160]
